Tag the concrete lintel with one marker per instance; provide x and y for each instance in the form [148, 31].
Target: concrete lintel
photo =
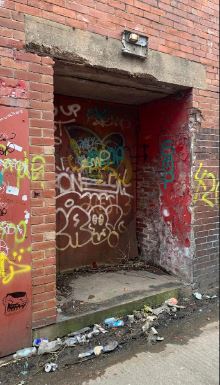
[84, 47]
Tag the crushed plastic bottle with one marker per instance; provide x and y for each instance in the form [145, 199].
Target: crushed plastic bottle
[86, 354]
[114, 323]
[110, 347]
[49, 347]
[24, 353]
[70, 342]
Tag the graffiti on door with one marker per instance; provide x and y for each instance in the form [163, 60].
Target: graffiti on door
[15, 257]
[95, 189]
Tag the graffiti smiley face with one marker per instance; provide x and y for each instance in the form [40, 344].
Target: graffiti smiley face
[98, 224]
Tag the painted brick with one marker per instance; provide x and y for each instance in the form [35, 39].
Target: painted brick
[179, 28]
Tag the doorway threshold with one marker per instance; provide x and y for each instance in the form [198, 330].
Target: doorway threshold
[106, 294]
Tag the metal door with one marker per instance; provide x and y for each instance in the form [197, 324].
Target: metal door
[15, 243]
[96, 182]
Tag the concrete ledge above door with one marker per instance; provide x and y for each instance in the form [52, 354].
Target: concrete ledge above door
[83, 47]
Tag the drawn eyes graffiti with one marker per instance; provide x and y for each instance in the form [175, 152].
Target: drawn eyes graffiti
[95, 180]
[15, 302]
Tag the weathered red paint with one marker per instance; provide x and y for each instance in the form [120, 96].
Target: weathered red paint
[15, 255]
[165, 134]
[96, 191]
[17, 89]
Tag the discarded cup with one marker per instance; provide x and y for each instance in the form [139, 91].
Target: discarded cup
[98, 350]
[24, 353]
[114, 323]
[50, 367]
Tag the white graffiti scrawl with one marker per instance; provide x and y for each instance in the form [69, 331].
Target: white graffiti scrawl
[94, 189]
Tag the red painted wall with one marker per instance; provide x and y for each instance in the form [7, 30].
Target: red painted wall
[15, 241]
[164, 137]
[96, 182]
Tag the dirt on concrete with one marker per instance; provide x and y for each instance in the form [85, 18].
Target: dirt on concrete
[69, 305]
[176, 327]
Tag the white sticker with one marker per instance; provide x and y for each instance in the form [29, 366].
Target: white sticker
[15, 146]
[24, 197]
[27, 216]
[12, 190]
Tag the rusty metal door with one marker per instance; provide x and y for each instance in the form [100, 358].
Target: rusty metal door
[15, 243]
[96, 182]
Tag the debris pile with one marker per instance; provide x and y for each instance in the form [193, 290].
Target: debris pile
[97, 340]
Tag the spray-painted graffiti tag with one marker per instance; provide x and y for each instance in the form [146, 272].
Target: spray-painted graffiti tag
[94, 180]
[168, 168]
[207, 187]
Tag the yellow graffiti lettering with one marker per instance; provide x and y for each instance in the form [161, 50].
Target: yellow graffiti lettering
[9, 269]
[210, 191]
[21, 168]
[38, 168]
[19, 231]
[22, 171]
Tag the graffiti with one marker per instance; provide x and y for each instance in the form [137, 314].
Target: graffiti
[3, 209]
[92, 182]
[3, 247]
[21, 168]
[106, 118]
[167, 155]
[20, 253]
[5, 137]
[8, 149]
[10, 115]
[38, 169]
[83, 226]
[15, 302]
[9, 269]
[208, 183]
[71, 110]
[18, 231]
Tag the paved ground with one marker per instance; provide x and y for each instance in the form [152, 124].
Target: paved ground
[112, 288]
[193, 364]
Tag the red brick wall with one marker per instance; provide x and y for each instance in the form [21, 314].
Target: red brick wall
[164, 192]
[182, 28]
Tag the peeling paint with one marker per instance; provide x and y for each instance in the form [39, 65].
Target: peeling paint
[14, 91]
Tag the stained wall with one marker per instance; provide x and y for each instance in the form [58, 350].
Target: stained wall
[164, 211]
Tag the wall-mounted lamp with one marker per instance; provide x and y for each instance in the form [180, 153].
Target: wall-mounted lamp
[134, 44]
